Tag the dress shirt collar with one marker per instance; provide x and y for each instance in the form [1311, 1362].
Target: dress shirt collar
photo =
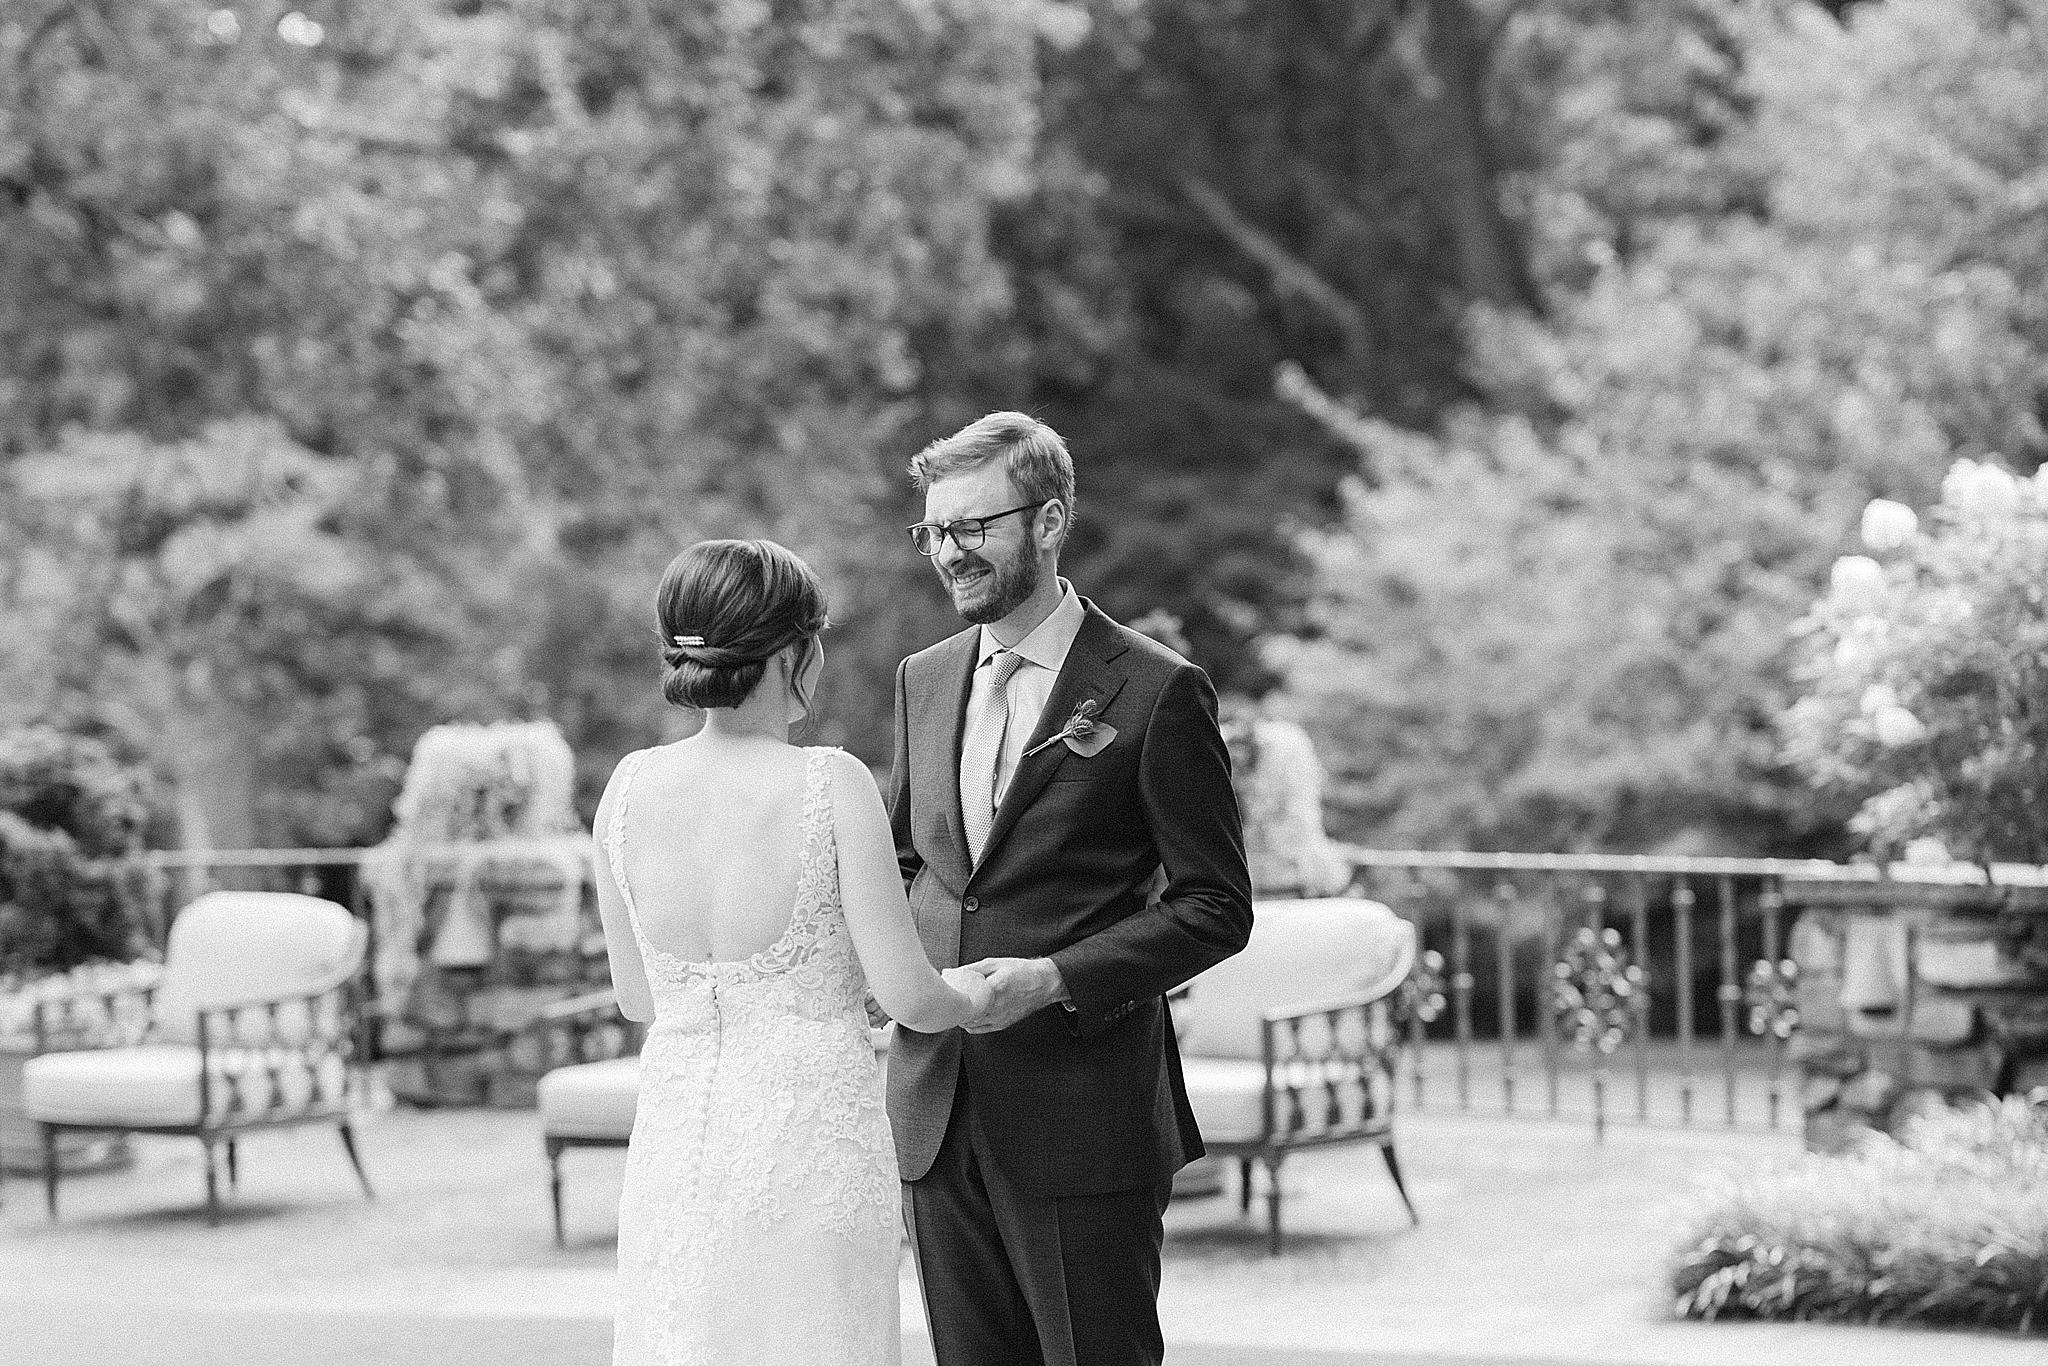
[1049, 641]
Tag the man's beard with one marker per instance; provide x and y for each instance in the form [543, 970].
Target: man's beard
[1001, 590]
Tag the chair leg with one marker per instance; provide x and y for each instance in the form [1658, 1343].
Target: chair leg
[348, 1141]
[1244, 1185]
[234, 1167]
[1273, 1203]
[1394, 1170]
[50, 1169]
[212, 1186]
[555, 1147]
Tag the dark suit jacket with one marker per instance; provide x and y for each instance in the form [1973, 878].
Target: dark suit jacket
[1089, 1100]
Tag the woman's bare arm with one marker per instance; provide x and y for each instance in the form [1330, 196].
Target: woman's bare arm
[878, 913]
[629, 974]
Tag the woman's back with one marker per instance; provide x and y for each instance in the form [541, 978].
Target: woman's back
[713, 846]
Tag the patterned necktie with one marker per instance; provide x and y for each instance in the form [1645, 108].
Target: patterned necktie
[981, 752]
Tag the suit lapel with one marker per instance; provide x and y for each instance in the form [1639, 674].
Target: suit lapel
[940, 723]
[1088, 675]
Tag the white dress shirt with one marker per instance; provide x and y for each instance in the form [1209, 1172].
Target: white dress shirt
[1044, 652]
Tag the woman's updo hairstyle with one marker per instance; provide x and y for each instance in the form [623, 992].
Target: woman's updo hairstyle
[745, 601]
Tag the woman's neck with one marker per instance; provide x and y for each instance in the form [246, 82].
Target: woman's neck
[761, 717]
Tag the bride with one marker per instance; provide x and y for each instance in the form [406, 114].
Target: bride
[754, 899]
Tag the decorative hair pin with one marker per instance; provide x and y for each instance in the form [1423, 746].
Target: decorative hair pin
[688, 640]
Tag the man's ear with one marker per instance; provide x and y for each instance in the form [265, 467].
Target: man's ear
[1057, 522]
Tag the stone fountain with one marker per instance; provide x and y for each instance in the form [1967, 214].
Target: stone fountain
[483, 909]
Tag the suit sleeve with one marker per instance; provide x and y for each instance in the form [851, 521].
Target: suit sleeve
[1204, 915]
[899, 783]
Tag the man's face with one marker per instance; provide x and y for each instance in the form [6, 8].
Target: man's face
[994, 579]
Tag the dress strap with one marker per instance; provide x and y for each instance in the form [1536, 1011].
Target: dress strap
[818, 795]
[615, 833]
[818, 879]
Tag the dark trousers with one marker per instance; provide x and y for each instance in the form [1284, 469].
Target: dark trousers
[1012, 1279]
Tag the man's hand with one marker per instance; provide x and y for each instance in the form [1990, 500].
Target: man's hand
[1018, 987]
[975, 987]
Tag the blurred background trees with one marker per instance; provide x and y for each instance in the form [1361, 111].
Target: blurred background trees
[1781, 280]
[1493, 380]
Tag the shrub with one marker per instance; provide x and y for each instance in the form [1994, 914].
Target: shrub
[1925, 673]
[73, 886]
[1948, 1225]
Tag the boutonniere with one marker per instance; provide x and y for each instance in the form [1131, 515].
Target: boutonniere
[1083, 734]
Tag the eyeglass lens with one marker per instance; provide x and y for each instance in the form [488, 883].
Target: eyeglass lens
[966, 535]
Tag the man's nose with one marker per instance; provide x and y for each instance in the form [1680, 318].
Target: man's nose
[950, 554]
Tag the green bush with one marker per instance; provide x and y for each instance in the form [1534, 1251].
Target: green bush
[1948, 1226]
[1924, 672]
[73, 886]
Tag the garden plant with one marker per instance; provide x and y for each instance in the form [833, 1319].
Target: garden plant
[1927, 671]
[1946, 1225]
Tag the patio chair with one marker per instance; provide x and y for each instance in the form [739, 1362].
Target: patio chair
[1291, 1044]
[254, 1026]
[591, 1090]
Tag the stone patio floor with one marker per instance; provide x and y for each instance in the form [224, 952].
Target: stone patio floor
[1536, 1247]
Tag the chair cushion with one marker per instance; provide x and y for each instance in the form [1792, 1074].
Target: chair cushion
[1301, 952]
[590, 1099]
[157, 1086]
[230, 947]
[1225, 1095]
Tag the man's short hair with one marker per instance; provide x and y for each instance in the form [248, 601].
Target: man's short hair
[1032, 454]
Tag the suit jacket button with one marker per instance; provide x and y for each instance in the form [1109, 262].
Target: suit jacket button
[971, 905]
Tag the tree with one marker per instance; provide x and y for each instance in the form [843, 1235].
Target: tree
[1563, 621]
[72, 822]
[754, 251]
[487, 311]
[1224, 187]
[1924, 678]
[258, 388]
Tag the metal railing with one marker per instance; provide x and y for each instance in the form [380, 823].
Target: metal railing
[1655, 990]
[1596, 987]
[335, 874]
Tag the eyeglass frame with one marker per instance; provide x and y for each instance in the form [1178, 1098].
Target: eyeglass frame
[942, 531]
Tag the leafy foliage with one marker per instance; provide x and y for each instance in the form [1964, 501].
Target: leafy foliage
[362, 363]
[226, 605]
[72, 819]
[469, 317]
[1226, 187]
[1926, 682]
[1562, 621]
[1949, 1226]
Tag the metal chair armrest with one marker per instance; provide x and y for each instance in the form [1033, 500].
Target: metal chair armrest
[118, 1019]
[599, 1005]
[289, 1042]
[1330, 1066]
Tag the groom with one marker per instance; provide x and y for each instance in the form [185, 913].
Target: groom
[1049, 763]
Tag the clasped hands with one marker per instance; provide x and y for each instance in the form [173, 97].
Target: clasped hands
[1014, 988]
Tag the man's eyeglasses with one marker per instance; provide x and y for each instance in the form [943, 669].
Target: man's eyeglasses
[967, 533]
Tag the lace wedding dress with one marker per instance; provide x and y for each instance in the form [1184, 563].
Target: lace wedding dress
[761, 1216]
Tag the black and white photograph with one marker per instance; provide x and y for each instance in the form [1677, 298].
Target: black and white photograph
[1024, 682]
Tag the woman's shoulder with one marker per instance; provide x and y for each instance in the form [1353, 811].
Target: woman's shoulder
[622, 773]
[845, 772]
